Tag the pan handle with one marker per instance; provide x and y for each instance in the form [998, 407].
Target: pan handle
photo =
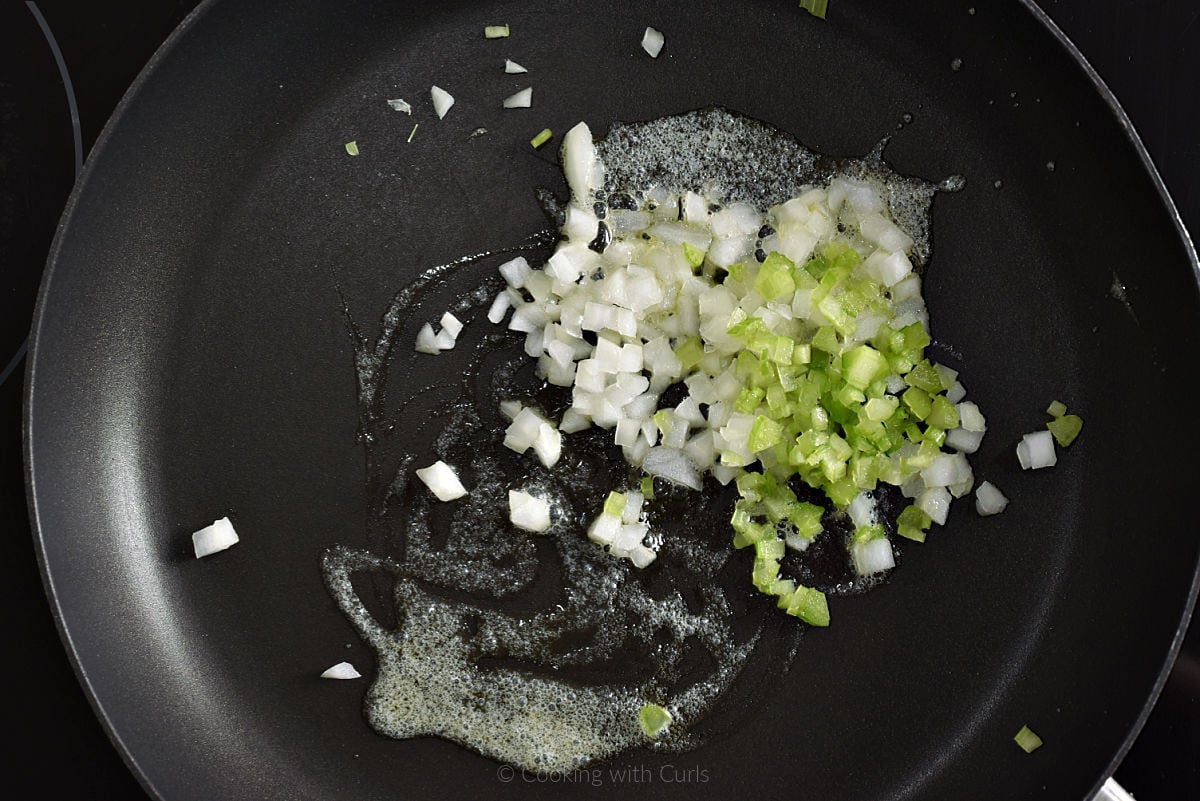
[338, 564]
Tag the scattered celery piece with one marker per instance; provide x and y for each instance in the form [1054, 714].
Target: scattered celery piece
[1028, 741]
[542, 138]
[654, 720]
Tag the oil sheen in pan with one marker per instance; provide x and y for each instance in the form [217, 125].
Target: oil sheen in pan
[539, 650]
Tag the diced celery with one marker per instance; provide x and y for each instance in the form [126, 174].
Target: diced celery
[912, 523]
[1056, 409]
[809, 605]
[918, 402]
[693, 254]
[863, 365]
[942, 413]
[1028, 740]
[614, 504]
[654, 720]
[1065, 428]
[689, 352]
[648, 487]
[764, 433]
[774, 278]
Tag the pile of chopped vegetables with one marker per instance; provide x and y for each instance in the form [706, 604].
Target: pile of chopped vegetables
[800, 336]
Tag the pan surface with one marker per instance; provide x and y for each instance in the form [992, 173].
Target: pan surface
[191, 360]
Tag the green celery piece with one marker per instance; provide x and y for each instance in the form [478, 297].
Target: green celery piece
[925, 376]
[648, 487]
[806, 517]
[664, 421]
[781, 350]
[781, 587]
[915, 336]
[689, 352]
[737, 272]
[774, 278]
[934, 435]
[542, 138]
[918, 402]
[748, 399]
[816, 267]
[880, 409]
[765, 571]
[840, 255]
[809, 605]
[693, 254]
[764, 433]
[1065, 428]
[862, 365]
[842, 492]
[1056, 409]
[614, 504]
[826, 339]
[818, 8]
[1028, 740]
[654, 720]
[912, 523]
[942, 414]
[770, 549]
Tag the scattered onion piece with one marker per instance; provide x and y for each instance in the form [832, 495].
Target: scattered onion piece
[513, 68]
[652, 42]
[989, 500]
[528, 511]
[213, 538]
[442, 481]
[342, 670]
[400, 105]
[521, 99]
[1036, 450]
[442, 101]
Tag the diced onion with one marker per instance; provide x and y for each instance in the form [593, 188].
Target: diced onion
[442, 101]
[513, 68]
[989, 500]
[442, 481]
[1036, 450]
[400, 105]
[214, 537]
[520, 99]
[652, 42]
[528, 511]
[342, 670]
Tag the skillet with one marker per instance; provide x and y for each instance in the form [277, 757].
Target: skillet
[190, 357]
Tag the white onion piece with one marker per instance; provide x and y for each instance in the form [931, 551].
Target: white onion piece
[674, 465]
[521, 99]
[873, 556]
[935, 502]
[442, 481]
[652, 42]
[578, 154]
[516, 272]
[528, 512]
[964, 441]
[499, 308]
[442, 101]
[1036, 450]
[400, 105]
[512, 67]
[427, 340]
[342, 670]
[989, 500]
[214, 537]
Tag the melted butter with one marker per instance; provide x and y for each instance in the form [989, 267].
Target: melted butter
[539, 650]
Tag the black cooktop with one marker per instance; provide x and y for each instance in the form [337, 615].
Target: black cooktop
[63, 68]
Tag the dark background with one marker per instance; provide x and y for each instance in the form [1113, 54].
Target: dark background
[1147, 52]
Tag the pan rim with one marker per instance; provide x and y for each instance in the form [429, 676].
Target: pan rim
[80, 188]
